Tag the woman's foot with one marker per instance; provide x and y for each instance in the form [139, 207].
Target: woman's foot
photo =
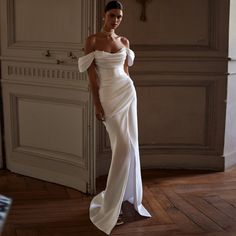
[121, 212]
[120, 221]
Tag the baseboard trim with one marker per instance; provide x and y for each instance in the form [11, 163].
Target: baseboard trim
[195, 162]
[229, 160]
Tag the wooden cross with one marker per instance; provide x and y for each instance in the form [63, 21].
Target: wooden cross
[143, 12]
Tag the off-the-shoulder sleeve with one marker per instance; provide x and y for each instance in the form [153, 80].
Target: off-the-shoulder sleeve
[85, 61]
[131, 56]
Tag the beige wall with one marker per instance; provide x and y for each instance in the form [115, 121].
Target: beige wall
[180, 76]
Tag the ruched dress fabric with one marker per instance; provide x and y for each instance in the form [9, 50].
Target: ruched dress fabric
[118, 98]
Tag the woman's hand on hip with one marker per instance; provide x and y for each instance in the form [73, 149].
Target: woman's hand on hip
[100, 115]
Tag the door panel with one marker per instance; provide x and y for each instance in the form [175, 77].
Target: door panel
[48, 130]
[48, 109]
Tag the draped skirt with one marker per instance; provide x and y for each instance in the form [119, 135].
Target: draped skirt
[124, 181]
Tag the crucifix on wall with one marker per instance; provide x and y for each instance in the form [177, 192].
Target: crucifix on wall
[143, 11]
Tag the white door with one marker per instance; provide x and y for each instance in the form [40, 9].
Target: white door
[48, 116]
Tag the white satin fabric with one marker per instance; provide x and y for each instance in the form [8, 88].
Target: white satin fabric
[118, 99]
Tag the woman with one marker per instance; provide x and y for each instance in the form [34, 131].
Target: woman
[107, 59]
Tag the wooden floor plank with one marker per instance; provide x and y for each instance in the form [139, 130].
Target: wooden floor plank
[26, 232]
[209, 210]
[23, 196]
[194, 214]
[204, 188]
[157, 211]
[182, 202]
[9, 230]
[130, 228]
[183, 222]
[225, 207]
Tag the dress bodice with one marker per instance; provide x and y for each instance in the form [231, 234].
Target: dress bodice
[109, 66]
[106, 60]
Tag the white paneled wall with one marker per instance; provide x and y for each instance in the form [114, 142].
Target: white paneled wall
[180, 76]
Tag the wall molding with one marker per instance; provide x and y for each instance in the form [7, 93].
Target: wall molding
[44, 75]
[14, 44]
[212, 44]
[17, 147]
[210, 146]
[20, 71]
[209, 43]
[35, 49]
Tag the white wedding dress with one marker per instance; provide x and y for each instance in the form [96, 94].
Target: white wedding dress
[118, 98]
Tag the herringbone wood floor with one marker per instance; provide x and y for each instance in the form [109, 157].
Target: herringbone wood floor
[182, 203]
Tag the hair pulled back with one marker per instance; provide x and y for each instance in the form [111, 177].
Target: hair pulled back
[113, 5]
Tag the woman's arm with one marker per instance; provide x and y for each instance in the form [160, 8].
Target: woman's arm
[125, 41]
[92, 74]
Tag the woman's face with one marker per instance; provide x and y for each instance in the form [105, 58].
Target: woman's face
[112, 18]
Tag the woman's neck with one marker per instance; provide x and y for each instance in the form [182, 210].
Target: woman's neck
[109, 33]
[107, 30]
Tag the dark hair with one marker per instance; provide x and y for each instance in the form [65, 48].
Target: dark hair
[113, 5]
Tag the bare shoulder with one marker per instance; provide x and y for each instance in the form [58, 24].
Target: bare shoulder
[125, 41]
[91, 38]
[90, 43]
